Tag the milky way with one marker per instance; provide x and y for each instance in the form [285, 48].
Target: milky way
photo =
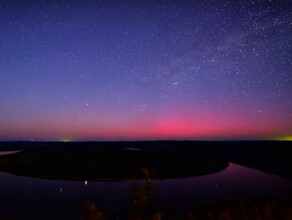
[133, 70]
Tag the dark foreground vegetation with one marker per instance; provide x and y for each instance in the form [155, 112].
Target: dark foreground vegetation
[241, 209]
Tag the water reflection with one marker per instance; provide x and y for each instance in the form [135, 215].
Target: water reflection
[145, 205]
[235, 191]
[3, 153]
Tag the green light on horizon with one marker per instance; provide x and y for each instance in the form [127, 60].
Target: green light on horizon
[66, 140]
[285, 138]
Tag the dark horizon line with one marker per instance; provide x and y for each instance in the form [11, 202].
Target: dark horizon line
[164, 140]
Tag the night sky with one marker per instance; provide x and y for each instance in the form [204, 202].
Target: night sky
[144, 70]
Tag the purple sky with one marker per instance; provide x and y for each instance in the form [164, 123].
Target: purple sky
[135, 70]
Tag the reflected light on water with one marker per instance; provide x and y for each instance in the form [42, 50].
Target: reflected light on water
[2, 153]
[234, 191]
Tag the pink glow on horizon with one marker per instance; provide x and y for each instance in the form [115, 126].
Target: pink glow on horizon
[175, 124]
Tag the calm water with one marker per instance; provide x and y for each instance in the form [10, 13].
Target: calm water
[26, 197]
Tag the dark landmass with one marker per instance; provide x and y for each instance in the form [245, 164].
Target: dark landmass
[144, 159]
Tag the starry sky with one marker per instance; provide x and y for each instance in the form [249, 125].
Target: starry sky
[145, 70]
